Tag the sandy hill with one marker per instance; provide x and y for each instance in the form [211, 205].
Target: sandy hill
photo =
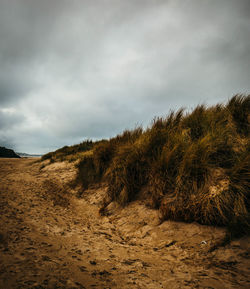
[192, 167]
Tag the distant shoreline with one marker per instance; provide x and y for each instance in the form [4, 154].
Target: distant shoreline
[24, 155]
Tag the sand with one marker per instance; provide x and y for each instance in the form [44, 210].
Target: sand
[52, 236]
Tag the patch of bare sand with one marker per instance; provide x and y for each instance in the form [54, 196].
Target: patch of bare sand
[49, 238]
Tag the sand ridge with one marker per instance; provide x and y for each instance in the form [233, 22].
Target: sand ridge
[52, 236]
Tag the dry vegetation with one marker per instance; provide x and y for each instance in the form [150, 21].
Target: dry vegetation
[191, 166]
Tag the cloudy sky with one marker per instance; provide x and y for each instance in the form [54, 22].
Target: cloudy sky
[77, 69]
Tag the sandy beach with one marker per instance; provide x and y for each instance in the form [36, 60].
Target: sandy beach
[52, 236]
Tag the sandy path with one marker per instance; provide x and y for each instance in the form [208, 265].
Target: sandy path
[49, 238]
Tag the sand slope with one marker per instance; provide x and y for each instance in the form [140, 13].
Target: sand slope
[50, 238]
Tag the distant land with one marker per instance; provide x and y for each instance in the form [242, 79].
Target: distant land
[8, 153]
[24, 155]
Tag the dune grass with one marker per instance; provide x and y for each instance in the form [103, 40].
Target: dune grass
[69, 153]
[193, 166]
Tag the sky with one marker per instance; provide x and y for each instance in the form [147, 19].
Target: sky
[72, 70]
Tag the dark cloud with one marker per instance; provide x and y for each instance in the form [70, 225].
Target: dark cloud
[88, 69]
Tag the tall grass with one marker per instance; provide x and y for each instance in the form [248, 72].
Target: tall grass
[194, 166]
[103, 154]
[67, 152]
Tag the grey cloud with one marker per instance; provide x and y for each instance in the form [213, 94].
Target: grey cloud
[6, 142]
[89, 69]
[13, 86]
[10, 119]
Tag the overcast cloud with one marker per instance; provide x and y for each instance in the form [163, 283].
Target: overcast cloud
[75, 69]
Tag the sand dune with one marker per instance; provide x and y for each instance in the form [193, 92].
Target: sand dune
[52, 236]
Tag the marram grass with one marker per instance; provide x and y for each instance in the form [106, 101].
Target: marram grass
[193, 166]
